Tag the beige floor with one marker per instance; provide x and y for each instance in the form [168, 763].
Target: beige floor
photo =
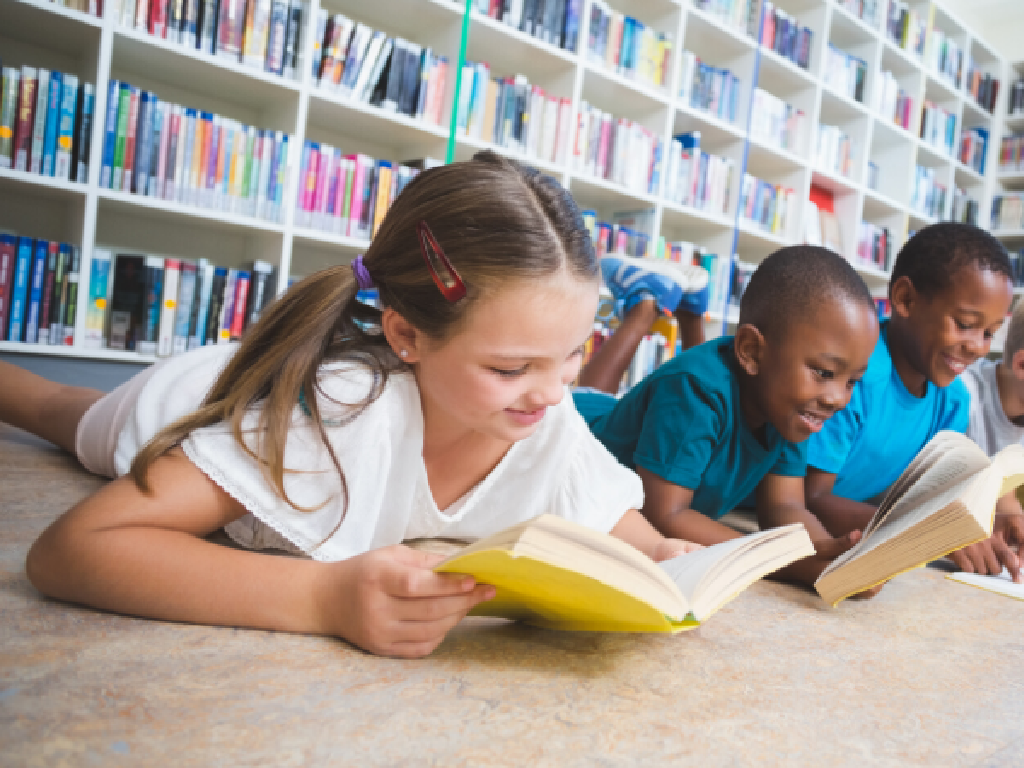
[929, 673]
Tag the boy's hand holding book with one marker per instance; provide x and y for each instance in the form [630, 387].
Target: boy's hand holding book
[1004, 548]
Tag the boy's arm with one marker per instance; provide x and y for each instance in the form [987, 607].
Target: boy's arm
[667, 506]
[839, 515]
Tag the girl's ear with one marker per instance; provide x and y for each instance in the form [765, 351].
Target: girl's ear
[903, 296]
[403, 337]
[749, 344]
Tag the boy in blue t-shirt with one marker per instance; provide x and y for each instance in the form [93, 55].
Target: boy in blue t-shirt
[731, 416]
[950, 291]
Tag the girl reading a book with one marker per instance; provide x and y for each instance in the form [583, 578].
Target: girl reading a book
[336, 431]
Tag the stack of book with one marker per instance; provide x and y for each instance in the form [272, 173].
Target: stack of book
[866, 10]
[1011, 152]
[367, 66]
[346, 194]
[906, 28]
[891, 101]
[732, 13]
[780, 32]
[45, 123]
[1015, 99]
[982, 87]
[973, 147]
[927, 194]
[767, 206]
[510, 113]
[834, 150]
[697, 178]
[944, 56]
[874, 246]
[965, 208]
[938, 127]
[164, 150]
[845, 74]
[628, 47]
[616, 149]
[158, 306]
[556, 22]
[714, 90]
[38, 290]
[776, 122]
[1008, 211]
[263, 34]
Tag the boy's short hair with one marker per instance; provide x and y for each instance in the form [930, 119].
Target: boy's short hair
[794, 283]
[1014, 333]
[936, 253]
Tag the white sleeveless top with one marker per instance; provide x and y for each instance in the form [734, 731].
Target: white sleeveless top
[560, 469]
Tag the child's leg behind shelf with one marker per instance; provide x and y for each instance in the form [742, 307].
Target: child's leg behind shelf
[43, 407]
[606, 368]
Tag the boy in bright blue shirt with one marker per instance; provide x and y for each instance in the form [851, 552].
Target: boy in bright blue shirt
[730, 416]
[950, 291]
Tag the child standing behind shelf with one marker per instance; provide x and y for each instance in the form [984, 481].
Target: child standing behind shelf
[950, 291]
[997, 421]
[731, 415]
[337, 431]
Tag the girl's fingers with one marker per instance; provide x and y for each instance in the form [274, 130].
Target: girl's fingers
[440, 608]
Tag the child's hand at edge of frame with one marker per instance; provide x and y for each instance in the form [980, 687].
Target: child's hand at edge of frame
[669, 548]
[389, 601]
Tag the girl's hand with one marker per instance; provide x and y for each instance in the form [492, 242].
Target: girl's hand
[666, 549]
[390, 602]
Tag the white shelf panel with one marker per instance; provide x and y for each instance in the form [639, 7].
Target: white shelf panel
[477, 145]
[213, 217]
[48, 25]
[1015, 122]
[45, 186]
[780, 76]
[1008, 234]
[731, 316]
[694, 217]
[603, 191]
[331, 112]
[76, 351]
[751, 236]
[733, 41]
[717, 130]
[968, 173]
[834, 182]
[869, 270]
[316, 236]
[510, 51]
[877, 205]
[974, 116]
[620, 95]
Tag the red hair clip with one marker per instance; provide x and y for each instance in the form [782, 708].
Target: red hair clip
[444, 274]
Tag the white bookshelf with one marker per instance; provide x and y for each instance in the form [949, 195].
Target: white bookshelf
[41, 33]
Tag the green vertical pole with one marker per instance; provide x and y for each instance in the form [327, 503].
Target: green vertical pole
[458, 82]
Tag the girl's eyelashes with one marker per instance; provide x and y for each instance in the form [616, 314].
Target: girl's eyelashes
[509, 373]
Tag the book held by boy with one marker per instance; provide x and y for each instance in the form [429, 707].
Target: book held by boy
[557, 574]
[1001, 584]
[944, 501]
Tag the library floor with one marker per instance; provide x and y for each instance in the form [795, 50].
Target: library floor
[929, 673]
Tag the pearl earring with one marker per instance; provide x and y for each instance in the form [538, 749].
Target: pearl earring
[404, 353]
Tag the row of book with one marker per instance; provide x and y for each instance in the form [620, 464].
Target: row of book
[1011, 152]
[906, 28]
[891, 101]
[628, 232]
[712, 89]
[45, 122]
[834, 150]
[982, 87]
[510, 113]
[965, 207]
[367, 66]
[738, 14]
[938, 127]
[1008, 211]
[616, 149]
[866, 10]
[556, 22]
[844, 73]
[697, 178]
[164, 307]
[874, 246]
[927, 194]
[769, 207]
[263, 34]
[1015, 99]
[627, 46]
[774, 121]
[159, 149]
[781, 33]
[38, 290]
[944, 56]
[347, 194]
[973, 148]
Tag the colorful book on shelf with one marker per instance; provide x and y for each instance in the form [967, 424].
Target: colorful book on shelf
[22, 139]
[46, 309]
[37, 276]
[53, 109]
[99, 277]
[20, 289]
[127, 301]
[11, 85]
[65, 127]
[35, 160]
[8, 255]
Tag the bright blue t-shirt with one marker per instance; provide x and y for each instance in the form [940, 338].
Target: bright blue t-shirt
[868, 444]
[684, 424]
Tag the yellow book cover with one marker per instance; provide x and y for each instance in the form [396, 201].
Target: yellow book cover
[380, 207]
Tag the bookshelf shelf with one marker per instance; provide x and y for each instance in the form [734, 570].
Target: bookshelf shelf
[1009, 234]
[76, 351]
[42, 33]
[869, 271]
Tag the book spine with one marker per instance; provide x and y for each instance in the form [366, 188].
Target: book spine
[110, 135]
[60, 292]
[35, 161]
[19, 291]
[131, 138]
[71, 309]
[201, 305]
[11, 82]
[184, 312]
[215, 305]
[22, 139]
[8, 254]
[239, 305]
[95, 315]
[227, 309]
[276, 37]
[83, 133]
[259, 291]
[35, 297]
[53, 111]
[52, 254]
[123, 111]
[168, 307]
[147, 336]
[291, 45]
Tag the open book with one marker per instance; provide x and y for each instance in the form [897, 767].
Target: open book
[560, 575]
[1001, 584]
[945, 500]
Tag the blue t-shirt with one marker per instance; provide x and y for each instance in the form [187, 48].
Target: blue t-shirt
[868, 444]
[684, 424]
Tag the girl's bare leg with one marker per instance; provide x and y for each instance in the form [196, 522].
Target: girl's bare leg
[43, 407]
[606, 368]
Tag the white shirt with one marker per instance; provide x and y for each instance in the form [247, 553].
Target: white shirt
[989, 427]
[560, 469]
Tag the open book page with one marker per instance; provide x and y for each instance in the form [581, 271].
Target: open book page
[1001, 584]
[1009, 463]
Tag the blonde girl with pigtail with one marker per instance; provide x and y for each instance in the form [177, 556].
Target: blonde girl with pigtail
[336, 431]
